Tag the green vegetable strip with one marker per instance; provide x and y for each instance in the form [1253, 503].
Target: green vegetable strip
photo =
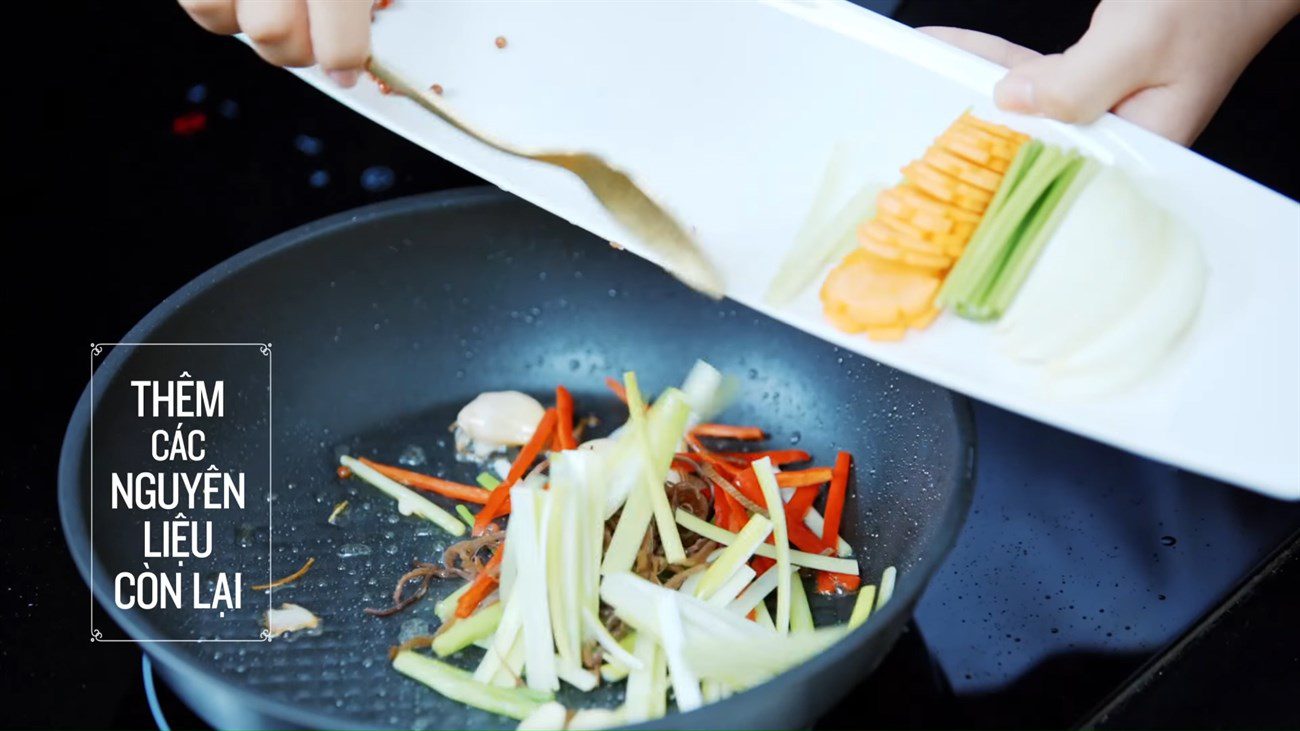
[465, 515]
[862, 607]
[460, 686]
[996, 243]
[1057, 202]
[963, 274]
[652, 473]
[780, 536]
[725, 537]
[747, 541]
[447, 605]
[887, 579]
[487, 481]
[801, 618]
[464, 632]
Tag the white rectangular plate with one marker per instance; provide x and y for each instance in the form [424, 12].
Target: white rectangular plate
[727, 112]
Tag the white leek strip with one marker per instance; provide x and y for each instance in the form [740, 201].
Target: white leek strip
[740, 665]
[565, 550]
[801, 618]
[686, 686]
[725, 537]
[652, 475]
[530, 587]
[460, 686]
[634, 600]
[580, 678]
[688, 587]
[734, 556]
[628, 534]
[613, 649]
[754, 594]
[465, 632]
[708, 391]
[887, 579]
[763, 618]
[637, 705]
[780, 536]
[659, 685]
[862, 607]
[409, 502]
[512, 665]
[591, 719]
[730, 590]
[446, 606]
[506, 638]
[548, 717]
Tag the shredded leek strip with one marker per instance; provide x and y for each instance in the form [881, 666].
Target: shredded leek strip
[747, 541]
[547, 717]
[730, 590]
[464, 632]
[798, 558]
[575, 675]
[753, 595]
[640, 682]
[487, 481]
[801, 618]
[763, 617]
[503, 641]
[780, 536]
[611, 646]
[530, 585]
[652, 475]
[887, 579]
[686, 686]
[409, 502]
[817, 524]
[460, 686]
[862, 607]
[564, 556]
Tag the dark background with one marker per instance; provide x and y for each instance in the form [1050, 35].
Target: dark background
[143, 151]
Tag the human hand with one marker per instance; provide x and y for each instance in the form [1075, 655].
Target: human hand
[332, 33]
[1165, 65]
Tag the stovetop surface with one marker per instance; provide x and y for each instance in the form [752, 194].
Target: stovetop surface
[1078, 566]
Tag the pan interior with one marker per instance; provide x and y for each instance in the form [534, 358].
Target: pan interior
[384, 325]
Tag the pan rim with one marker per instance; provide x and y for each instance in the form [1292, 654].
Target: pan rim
[72, 513]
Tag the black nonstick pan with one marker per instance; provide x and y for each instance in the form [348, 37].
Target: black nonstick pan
[383, 322]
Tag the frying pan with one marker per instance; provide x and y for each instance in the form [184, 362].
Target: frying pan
[384, 321]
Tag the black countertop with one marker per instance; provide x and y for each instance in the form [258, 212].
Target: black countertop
[1087, 587]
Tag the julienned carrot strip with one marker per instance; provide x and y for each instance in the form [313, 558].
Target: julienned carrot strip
[803, 478]
[721, 507]
[831, 584]
[747, 483]
[727, 431]
[429, 483]
[799, 503]
[835, 500]
[564, 418]
[483, 585]
[778, 456]
[499, 502]
[760, 564]
[613, 385]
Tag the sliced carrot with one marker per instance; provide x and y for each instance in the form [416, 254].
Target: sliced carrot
[612, 384]
[889, 333]
[482, 585]
[872, 293]
[564, 418]
[498, 503]
[429, 483]
[923, 320]
[832, 584]
[778, 456]
[727, 431]
[804, 478]
[835, 500]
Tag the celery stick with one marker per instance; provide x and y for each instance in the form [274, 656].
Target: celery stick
[799, 558]
[487, 481]
[409, 502]
[995, 243]
[780, 536]
[1056, 202]
[460, 686]
[963, 274]
[862, 607]
[801, 618]
[465, 515]
[747, 540]
[464, 632]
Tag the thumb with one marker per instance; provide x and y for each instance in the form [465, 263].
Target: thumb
[1080, 85]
